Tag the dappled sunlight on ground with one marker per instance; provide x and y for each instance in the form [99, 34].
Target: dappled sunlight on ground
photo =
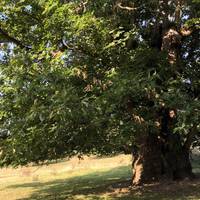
[23, 182]
[98, 179]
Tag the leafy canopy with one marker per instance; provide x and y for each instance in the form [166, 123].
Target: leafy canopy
[70, 70]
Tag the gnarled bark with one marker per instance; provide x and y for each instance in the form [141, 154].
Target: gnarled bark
[147, 165]
[156, 160]
[161, 156]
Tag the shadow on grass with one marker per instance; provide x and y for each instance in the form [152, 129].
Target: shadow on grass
[112, 184]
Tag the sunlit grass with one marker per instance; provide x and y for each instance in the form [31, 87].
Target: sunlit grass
[98, 179]
[51, 181]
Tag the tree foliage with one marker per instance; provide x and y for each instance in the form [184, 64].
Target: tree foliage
[87, 77]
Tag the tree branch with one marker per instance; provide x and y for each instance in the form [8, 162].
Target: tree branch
[12, 39]
[119, 5]
[190, 137]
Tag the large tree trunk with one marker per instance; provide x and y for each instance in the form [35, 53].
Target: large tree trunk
[157, 159]
[163, 155]
[147, 161]
[176, 159]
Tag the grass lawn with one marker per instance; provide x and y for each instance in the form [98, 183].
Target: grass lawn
[91, 178]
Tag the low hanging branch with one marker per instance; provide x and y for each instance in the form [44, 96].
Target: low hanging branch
[12, 39]
[190, 137]
[119, 5]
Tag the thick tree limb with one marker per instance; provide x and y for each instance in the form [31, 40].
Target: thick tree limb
[12, 39]
[190, 137]
[119, 5]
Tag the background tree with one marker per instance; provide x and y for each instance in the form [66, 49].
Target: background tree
[100, 77]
